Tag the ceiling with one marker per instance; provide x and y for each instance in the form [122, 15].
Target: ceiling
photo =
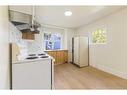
[81, 15]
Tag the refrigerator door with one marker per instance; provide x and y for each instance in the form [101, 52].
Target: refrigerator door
[84, 51]
[76, 50]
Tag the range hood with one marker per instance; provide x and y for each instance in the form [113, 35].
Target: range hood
[23, 22]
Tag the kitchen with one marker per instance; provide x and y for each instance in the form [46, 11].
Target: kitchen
[29, 47]
[66, 47]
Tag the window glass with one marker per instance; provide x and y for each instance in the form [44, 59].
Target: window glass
[57, 45]
[52, 41]
[99, 36]
[48, 45]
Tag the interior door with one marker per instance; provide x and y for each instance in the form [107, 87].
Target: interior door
[76, 50]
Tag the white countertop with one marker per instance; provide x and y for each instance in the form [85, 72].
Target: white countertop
[32, 60]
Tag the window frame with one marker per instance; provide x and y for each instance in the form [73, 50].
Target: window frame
[103, 28]
[52, 41]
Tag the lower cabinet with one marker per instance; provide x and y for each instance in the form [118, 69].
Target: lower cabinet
[60, 56]
[32, 75]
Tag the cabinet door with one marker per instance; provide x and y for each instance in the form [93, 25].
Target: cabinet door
[76, 50]
[84, 51]
[66, 56]
[58, 57]
[54, 54]
[28, 35]
[24, 35]
[62, 57]
[32, 75]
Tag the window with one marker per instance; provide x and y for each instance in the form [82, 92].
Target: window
[99, 36]
[52, 41]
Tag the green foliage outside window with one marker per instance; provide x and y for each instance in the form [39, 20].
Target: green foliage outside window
[99, 36]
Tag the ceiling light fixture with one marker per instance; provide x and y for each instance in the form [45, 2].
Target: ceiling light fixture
[68, 13]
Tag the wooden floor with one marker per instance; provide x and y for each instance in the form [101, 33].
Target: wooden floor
[68, 76]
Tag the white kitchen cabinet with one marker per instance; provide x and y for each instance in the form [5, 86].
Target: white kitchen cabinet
[32, 75]
[27, 9]
[76, 50]
[81, 51]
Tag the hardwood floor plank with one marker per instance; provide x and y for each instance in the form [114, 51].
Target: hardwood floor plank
[69, 76]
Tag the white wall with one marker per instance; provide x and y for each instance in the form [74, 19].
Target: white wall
[70, 35]
[22, 8]
[110, 57]
[16, 37]
[4, 48]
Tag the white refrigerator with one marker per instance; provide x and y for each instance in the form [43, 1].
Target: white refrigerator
[80, 51]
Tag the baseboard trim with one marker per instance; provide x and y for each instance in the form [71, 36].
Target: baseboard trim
[110, 70]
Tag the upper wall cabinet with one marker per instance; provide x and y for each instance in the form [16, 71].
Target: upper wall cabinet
[23, 9]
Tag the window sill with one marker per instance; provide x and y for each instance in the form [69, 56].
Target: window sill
[97, 44]
[56, 50]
